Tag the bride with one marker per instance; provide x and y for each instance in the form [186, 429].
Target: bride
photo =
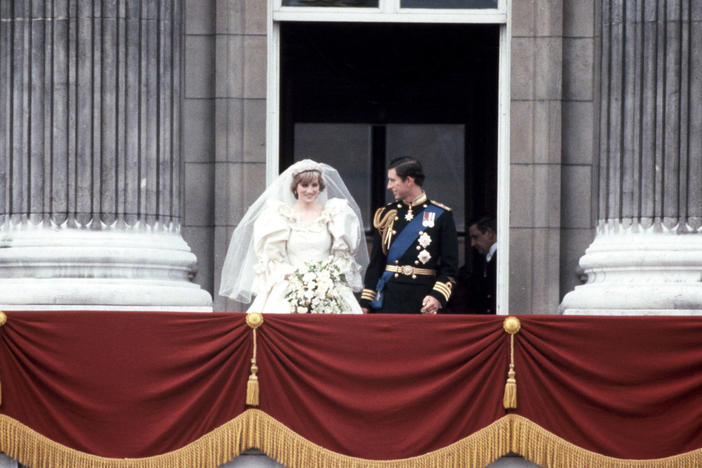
[306, 215]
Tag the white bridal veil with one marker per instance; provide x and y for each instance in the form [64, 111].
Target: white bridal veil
[238, 270]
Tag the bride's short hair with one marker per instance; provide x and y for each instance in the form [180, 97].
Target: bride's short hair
[307, 177]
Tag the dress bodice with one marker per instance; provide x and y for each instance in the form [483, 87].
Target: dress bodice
[283, 244]
[308, 243]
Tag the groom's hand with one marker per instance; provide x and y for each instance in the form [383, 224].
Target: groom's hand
[430, 305]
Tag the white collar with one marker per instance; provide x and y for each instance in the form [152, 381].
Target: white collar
[491, 252]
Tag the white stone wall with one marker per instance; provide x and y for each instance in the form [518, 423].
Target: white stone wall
[551, 142]
[579, 168]
[198, 135]
[224, 128]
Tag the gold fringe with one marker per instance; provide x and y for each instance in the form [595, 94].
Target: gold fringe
[251, 429]
[211, 450]
[544, 448]
[256, 429]
[293, 451]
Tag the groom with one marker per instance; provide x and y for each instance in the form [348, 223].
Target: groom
[415, 248]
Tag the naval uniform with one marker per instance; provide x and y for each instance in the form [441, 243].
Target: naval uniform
[415, 254]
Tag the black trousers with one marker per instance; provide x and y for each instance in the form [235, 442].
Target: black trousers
[403, 298]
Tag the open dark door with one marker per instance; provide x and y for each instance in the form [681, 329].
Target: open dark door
[355, 95]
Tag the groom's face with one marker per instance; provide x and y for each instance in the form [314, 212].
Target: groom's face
[400, 189]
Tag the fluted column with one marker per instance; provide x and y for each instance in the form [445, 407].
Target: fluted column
[647, 254]
[90, 180]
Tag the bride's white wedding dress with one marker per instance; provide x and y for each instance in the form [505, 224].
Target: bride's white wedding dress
[283, 243]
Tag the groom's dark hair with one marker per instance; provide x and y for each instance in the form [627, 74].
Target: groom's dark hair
[408, 167]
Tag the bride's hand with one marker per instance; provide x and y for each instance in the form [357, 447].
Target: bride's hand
[288, 276]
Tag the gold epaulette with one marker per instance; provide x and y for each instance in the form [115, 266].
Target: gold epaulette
[440, 205]
[376, 216]
[383, 223]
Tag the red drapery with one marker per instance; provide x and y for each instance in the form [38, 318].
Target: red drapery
[137, 385]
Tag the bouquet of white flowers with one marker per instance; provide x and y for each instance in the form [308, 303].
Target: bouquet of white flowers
[314, 289]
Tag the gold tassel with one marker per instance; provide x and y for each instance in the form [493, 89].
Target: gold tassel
[510, 399]
[253, 320]
[252, 385]
[511, 325]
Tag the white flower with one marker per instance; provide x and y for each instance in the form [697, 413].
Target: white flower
[314, 288]
[325, 285]
[309, 277]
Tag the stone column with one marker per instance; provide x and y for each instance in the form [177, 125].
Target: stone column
[90, 163]
[647, 255]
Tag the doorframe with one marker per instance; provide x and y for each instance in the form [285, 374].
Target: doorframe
[389, 11]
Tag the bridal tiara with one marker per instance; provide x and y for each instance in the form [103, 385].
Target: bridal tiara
[306, 165]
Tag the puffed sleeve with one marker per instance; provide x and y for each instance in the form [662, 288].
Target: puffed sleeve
[345, 229]
[270, 242]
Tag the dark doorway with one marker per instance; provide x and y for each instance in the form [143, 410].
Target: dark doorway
[357, 94]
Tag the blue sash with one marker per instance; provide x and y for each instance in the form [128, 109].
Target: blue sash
[402, 242]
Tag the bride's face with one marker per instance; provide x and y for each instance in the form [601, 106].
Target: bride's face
[307, 192]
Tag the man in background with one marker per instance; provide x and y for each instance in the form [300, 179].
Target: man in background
[475, 293]
[483, 238]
